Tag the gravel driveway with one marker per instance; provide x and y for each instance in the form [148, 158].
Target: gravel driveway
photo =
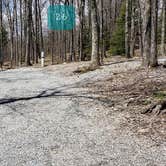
[46, 119]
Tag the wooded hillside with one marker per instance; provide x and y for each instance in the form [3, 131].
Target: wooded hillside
[82, 82]
[103, 28]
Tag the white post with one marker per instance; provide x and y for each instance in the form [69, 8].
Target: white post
[42, 59]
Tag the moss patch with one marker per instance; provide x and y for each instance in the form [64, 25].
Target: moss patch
[160, 95]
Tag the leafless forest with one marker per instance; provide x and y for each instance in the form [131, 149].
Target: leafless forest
[24, 32]
[94, 95]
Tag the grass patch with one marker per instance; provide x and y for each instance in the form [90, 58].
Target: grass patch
[160, 95]
[146, 102]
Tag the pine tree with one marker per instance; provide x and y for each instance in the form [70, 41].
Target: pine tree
[117, 44]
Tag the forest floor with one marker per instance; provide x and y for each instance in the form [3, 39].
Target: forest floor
[55, 117]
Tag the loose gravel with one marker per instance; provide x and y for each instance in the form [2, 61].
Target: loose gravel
[47, 119]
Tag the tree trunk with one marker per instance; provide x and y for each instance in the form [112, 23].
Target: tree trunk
[17, 55]
[150, 21]
[127, 29]
[81, 19]
[29, 28]
[140, 28]
[41, 29]
[154, 23]
[1, 40]
[21, 34]
[95, 35]
[146, 32]
[163, 30]
[37, 40]
[102, 33]
[133, 35]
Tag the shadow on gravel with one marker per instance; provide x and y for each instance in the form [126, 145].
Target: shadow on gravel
[53, 93]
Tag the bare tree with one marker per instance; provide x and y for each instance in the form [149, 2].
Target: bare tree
[133, 28]
[163, 49]
[146, 32]
[11, 27]
[81, 6]
[16, 33]
[140, 27]
[150, 20]
[127, 28]
[1, 40]
[95, 34]
[29, 31]
[154, 24]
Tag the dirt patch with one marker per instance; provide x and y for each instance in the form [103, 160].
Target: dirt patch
[85, 69]
[133, 92]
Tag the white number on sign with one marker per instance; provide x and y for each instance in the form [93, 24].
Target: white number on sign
[61, 17]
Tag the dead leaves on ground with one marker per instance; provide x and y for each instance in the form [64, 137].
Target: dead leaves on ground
[141, 90]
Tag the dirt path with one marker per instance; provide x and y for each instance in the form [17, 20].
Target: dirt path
[47, 118]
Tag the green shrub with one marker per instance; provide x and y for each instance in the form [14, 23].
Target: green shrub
[117, 43]
[3, 36]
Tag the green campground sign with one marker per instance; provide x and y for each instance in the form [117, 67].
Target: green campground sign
[61, 17]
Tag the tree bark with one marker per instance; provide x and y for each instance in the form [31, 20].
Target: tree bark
[163, 29]
[1, 15]
[37, 40]
[29, 28]
[81, 19]
[1, 40]
[95, 35]
[17, 54]
[21, 34]
[133, 31]
[154, 24]
[150, 21]
[146, 32]
[127, 29]
[140, 28]
[102, 32]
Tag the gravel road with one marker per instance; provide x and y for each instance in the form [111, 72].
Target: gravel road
[47, 119]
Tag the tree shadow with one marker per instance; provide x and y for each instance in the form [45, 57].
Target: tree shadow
[54, 93]
[119, 62]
